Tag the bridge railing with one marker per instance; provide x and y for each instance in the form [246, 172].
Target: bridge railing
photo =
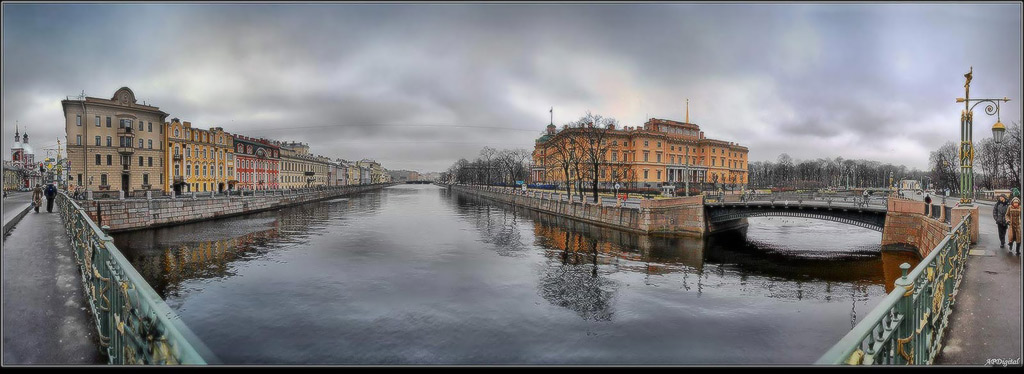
[856, 201]
[135, 325]
[908, 325]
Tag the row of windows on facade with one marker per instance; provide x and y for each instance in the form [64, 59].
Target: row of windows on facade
[673, 148]
[221, 155]
[294, 166]
[124, 123]
[198, 136]
[615, 175]
[103, 179]
[123, 141]
[188, 170]
[124, 161]
[673, 158]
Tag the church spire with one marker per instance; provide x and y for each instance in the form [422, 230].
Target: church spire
[16, 135]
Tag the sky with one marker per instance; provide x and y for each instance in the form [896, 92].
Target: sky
[418, 86]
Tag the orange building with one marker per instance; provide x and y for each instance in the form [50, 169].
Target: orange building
[663, 152]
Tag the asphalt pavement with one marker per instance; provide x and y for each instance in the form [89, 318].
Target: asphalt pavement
[46, 318]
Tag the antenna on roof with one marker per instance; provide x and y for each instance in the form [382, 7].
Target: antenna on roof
[82, 95]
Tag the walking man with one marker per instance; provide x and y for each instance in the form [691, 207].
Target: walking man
[999, 214]
[51, 192]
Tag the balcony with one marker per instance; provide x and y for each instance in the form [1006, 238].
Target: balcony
[177, 157]
[125, 150]
[179, 179]
[125, 131]
[125, 169]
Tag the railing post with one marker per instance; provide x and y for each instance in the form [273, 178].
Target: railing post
[120, 194]
[149, 195]
[88, 195]
[905, 330]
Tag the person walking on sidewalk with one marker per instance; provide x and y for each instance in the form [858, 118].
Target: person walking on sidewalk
[37, 197]
[51, 192]
[999, 214]
[1013, 220]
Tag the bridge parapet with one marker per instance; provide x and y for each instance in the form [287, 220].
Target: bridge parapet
[907, 327]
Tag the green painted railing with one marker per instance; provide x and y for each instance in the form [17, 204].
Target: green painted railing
[908, 325]
[135, 325]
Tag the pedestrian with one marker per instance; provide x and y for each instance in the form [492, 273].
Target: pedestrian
[51, 192]
[1013, 221]
[999, 214]
[37, 197]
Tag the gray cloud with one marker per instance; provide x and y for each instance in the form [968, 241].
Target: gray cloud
[443, 80]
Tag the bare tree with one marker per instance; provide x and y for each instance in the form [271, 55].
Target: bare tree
[595, 130]
[487, 153]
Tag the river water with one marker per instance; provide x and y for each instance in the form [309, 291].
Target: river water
[416, 274]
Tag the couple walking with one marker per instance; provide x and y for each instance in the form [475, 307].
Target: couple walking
[1007, 216]
[37, 196]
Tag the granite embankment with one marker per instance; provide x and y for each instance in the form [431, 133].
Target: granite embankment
[134, 214]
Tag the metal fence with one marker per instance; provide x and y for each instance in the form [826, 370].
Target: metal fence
[135, 325]
[908, 325]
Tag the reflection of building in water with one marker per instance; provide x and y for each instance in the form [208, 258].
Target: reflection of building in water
[498, 227]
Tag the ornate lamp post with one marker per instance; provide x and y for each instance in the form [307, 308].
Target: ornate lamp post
[966, 136]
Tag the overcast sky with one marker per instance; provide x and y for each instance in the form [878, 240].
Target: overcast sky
[417, 86]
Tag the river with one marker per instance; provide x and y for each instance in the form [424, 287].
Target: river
[416, 274]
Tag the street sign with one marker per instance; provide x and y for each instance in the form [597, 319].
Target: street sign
[618, 186]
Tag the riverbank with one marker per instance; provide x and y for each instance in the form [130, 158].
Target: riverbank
[678, 216]
[137, 214]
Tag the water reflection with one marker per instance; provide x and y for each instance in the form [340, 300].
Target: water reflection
[423, 275]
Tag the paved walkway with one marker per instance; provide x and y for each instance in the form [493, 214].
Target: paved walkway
[46, 318]
[986, 320]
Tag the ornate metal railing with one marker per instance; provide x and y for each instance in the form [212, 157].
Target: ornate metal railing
[908, 325]
[135, 325]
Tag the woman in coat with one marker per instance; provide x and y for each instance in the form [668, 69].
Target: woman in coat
[999, 214]
[37, 197]
[1013, 220]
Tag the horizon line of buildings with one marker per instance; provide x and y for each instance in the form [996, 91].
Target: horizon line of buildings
[112, 144]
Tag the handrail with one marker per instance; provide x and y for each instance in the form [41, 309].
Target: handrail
[135, 325]
[908, 325]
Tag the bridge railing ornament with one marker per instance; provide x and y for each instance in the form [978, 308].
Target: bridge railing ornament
[907, 327]
[135, 325]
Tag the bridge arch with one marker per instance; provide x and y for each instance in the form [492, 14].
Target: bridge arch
[868, 218]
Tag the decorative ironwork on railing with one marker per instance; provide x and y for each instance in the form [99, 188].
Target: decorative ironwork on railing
[908, 325]
[135, 325]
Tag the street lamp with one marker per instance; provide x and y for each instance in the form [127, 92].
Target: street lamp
[966, 136]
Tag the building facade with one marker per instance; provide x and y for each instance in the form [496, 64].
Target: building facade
[116, 143]
[662, 152]
[198, 160]
[300, 168]
[257, 163]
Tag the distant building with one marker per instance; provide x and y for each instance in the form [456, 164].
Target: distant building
[199, 160]
[910, 184]
[257, 163]
[106, 138]
[402, 176]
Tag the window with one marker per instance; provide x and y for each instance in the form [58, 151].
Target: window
[712, 161]
[645, 173]
[659, 144]
[78, 120]
[659, 174]
[141, 143]
[108, 121]
[150, 143]
[659, 157]
[110, 161]
[79, 179]
[97, 121]
[78, 140]
[176, 133]
[97, 159]
[176, 149]
[615, 156]
[109, 141]
[188, 170]
[140, 160]
[150, 127]
[103, 179]
[141, 127]
[145, 178]
[645, 143]
[646, 154]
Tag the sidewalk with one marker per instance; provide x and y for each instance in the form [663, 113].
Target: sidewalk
[46, 317]
[986, 320]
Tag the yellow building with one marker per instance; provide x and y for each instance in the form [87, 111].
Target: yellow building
[199, 160]
[301, 169]
[663, 152]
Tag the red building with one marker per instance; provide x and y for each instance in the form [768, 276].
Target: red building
[256, 162]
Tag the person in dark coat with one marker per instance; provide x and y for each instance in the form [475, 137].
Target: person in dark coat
[51, 192]
[999, 214]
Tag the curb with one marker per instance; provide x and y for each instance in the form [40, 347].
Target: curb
[11, 222]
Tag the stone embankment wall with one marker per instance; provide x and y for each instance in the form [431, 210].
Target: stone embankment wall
[134, 214]
[683, 215]
[906, 223]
